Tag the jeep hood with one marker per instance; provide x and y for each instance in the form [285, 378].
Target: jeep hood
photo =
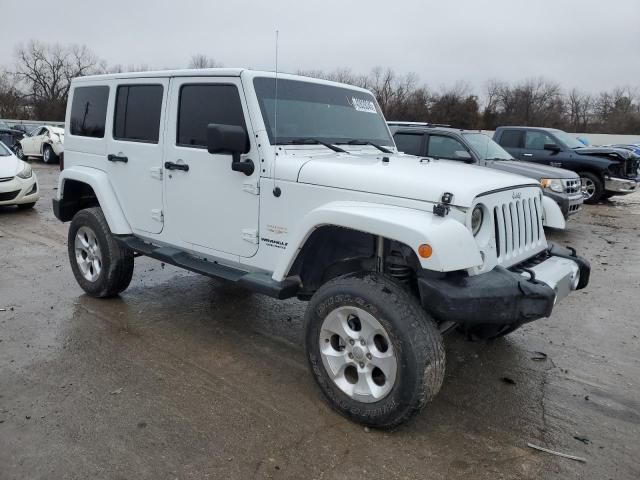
[406, 176]
[530, 169]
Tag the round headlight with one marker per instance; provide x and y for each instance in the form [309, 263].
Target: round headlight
[476, 219]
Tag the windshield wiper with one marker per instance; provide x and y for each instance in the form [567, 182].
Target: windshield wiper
[315, 141]
[366, 142]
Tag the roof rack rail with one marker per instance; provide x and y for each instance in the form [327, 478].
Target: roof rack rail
[416, 124]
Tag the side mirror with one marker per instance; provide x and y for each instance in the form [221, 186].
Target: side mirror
[552, 147]
[230, 139]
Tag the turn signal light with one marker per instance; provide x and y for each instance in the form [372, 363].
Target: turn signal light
[425, 250]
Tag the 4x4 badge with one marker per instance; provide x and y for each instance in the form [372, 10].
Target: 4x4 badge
[516, 195]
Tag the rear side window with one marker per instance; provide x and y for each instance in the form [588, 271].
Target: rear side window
[201, 105]
[512, 139]
[89, 111]
[410, 143]
[137, 113]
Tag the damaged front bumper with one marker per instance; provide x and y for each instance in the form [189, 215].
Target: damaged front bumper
[620, 185]
[514, 296]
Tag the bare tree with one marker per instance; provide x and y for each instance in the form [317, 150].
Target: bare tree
[203, 61]
[11, 101]
[45, 72]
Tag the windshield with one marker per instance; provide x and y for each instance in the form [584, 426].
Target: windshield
[5, 126]
[568, 140]
[330, 114]
[4, 151]
[485, 148]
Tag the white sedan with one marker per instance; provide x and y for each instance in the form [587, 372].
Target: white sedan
[18, 183]
[46, 142]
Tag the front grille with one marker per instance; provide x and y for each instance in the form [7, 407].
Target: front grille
[572, 185]
[574, 207]
[6, 196]
[6, 179]
[518, 227]
[632, 167]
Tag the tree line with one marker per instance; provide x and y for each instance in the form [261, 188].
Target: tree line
[37, 85]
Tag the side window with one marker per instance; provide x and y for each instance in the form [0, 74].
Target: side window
[512, 139]
[42, 131]
[137, 113]
[201, 105]
[535, 140]
[446, 147]
[410, 143]
[89, 111]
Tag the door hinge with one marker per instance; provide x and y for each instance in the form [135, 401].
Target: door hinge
[157, 215]
[250, 235]
[156, 172]
[251, 187]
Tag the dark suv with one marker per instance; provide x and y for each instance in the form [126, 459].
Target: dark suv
[475, 147]
[604, 171]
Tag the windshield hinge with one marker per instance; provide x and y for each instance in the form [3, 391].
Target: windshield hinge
[250, 235]
[251, 187]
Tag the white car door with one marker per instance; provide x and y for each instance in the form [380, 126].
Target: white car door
[210, 207]
[31, 145]
[135, 143]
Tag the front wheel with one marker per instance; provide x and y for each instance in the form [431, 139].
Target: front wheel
[592, 187]
[102, 267]
[376, 354]
[19, 152]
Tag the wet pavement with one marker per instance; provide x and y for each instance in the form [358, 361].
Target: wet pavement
[186, 377]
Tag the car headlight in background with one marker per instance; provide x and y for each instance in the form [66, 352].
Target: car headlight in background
[553, 184]
[26, 171]
[476, 219]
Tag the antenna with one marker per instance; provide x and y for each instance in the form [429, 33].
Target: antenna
[276, 190]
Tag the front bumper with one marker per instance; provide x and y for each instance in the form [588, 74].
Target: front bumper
[620, 186]
[503, 296]
[18, 191]
[568, 203]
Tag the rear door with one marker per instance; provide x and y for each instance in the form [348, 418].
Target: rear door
[135, 150]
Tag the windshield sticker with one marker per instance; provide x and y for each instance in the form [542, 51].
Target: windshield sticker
[362, 105]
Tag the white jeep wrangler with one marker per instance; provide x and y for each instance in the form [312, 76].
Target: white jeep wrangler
[293, 187]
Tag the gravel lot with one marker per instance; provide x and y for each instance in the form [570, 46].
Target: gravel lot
[184, 377]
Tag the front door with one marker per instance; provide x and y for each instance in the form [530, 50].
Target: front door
[209, 206]
[31, 145]
[534, 142]
[135, 150]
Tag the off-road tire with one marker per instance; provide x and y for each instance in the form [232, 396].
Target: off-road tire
[415, 338]
[26, 206]
[117, 260]
[51, 157]
[597, 182]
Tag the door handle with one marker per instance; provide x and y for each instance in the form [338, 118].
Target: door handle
[117, 158]
[176, 166]
[527, 154]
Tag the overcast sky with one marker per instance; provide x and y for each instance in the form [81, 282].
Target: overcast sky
[590, 44]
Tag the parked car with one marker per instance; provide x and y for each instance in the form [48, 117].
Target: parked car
[45, 141]
[25, 128]
[18, 182]
[604, 171]
[189, 167]
[471, 146]
[9, 135]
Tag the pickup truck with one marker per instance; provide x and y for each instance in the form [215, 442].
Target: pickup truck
[604, 171]
[473, 147]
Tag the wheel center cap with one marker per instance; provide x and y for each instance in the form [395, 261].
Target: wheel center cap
[358, 353]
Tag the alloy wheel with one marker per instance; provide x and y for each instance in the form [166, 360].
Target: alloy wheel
[588, 187]
[88, 254]
[357, 354]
